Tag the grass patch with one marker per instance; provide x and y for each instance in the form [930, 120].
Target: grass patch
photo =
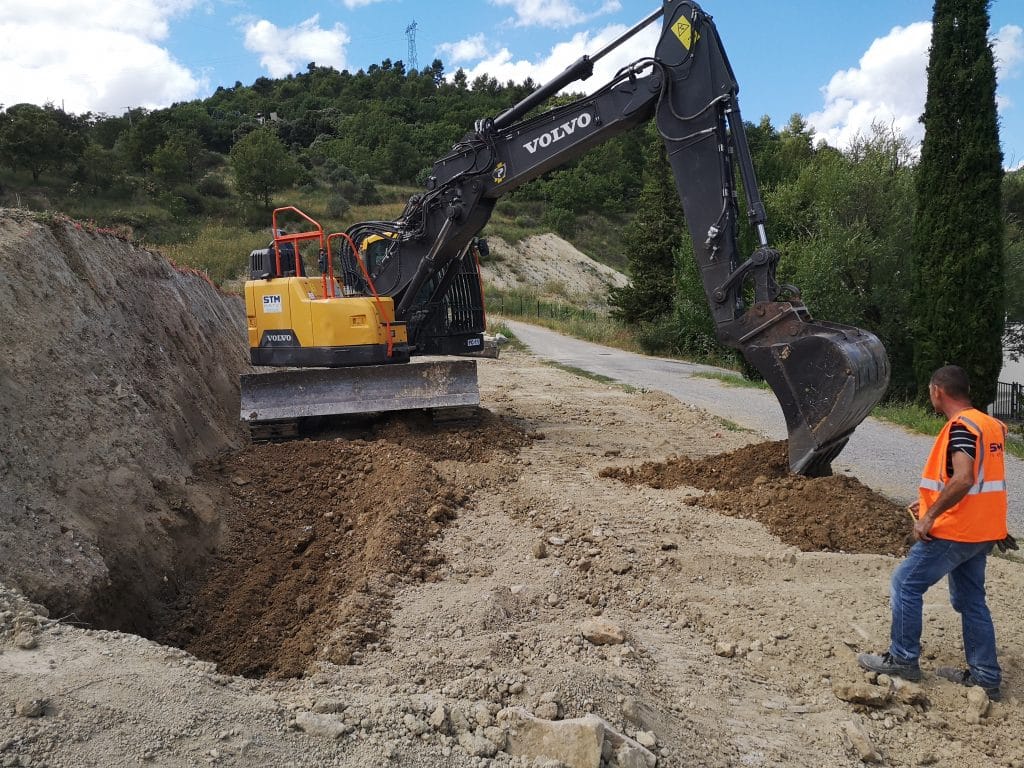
[494, 328]
[912, 416]
[733, 380]
[590, 375]
[731, 425]
[917, 418]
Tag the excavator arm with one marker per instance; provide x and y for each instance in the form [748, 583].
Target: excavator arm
[827, 377]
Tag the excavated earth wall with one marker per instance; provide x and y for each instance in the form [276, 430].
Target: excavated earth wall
[115, 371]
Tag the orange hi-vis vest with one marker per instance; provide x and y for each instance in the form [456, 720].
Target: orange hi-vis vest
[981, 514]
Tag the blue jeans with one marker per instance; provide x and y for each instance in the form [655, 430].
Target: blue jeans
[926, 563]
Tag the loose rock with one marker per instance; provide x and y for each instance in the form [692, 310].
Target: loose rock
[862, 693]
[600, 631]
[857, 739]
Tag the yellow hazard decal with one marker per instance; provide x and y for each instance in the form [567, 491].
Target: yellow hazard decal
[685, 32]
[500, 171]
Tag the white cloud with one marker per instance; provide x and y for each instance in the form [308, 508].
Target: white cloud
[503, 67]
[464, 50]
[1008, 49]
[891, 83]
[553, 13]
[353, 4]
[283, 50]
[888, 86]
[92, 55]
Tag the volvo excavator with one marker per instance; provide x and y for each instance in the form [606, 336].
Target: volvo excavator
[412, 286]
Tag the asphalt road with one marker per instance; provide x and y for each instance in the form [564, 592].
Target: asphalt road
[883, 456]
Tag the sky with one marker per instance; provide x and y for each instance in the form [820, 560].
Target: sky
[840, 65]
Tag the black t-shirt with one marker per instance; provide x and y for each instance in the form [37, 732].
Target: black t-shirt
[963, 440]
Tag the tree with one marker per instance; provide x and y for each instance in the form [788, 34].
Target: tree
[262, 165]
[843, 226]
[654, 234]
[38, 138]
[958, 227]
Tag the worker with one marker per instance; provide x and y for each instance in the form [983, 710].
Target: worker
[960, 513]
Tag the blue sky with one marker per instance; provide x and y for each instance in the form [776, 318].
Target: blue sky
[841, 65]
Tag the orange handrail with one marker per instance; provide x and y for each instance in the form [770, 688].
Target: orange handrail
[369, 283]
[299, 237]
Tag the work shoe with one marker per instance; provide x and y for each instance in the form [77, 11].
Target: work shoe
[886, 664]
[964, 677]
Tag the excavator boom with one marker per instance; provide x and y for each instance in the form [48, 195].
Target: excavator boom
[826, 376]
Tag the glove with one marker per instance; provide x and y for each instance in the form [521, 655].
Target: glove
[1008, 543]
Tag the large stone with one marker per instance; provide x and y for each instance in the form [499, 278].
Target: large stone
[30, 707]
[576, 743]
[320, 725]
[628, 753]
[862, 693]
[857, 739]
[477, 746]
[977, 705]
[600, 631]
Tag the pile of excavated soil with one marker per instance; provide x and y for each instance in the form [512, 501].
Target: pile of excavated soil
[830, 514]
[319, 532]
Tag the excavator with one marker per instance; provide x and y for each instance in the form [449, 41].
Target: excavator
[412, 288]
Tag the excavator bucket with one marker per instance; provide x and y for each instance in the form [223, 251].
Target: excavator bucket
[293, 394]
[827, 378]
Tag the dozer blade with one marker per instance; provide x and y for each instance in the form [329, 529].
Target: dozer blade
[827, 378]
[302, 392]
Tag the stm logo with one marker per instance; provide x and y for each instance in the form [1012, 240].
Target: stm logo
[559, 133]
[272, 304]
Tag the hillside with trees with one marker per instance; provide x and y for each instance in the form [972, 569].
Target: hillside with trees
[199, 179]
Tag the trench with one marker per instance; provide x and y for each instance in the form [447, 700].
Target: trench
[312, 538]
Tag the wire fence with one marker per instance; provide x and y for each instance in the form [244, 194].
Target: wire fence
[529, 306]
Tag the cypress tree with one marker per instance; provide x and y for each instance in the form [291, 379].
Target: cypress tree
[652, 237]
[958, 227]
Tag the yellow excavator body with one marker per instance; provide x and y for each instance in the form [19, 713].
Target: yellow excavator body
[289, 317]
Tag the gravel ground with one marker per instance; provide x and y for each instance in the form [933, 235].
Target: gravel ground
[885, 457]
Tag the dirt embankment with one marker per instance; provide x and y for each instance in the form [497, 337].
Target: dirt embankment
[552, 267]
[115, 373]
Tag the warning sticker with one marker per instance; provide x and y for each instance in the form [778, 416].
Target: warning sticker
[272, 304]
[685, 32]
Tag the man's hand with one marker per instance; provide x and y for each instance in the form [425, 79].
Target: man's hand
[914, 507]
[921, 528]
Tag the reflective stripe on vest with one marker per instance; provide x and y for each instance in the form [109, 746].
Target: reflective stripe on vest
[988, 487]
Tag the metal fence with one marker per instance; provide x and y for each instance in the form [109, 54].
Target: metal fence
[528, 306]
[1009, 402]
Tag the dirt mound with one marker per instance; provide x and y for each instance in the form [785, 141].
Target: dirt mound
[835, 514]
[319, 532]
[117, 376]
[724, 472]
[474, 440]
[551, 266]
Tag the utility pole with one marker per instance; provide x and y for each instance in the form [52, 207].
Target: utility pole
[410, 33]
